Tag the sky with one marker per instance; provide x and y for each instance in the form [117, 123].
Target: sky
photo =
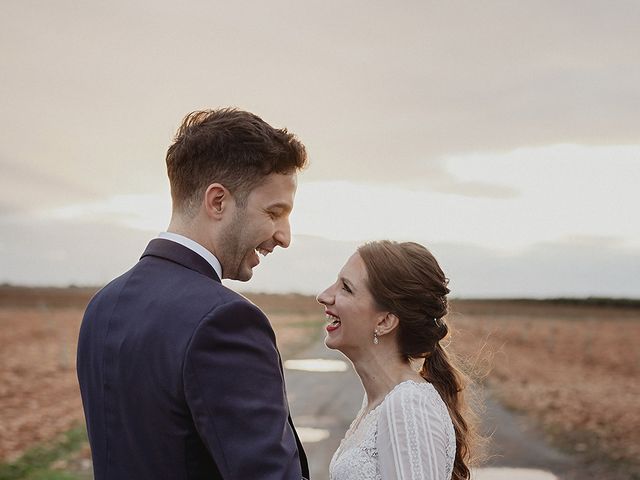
[502, 135]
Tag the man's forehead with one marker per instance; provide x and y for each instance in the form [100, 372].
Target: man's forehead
[277, 188]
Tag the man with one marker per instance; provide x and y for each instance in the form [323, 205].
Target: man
[180, 376]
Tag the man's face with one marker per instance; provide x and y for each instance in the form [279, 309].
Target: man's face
[259, 227]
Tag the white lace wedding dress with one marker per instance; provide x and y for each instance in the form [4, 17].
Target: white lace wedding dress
[409, 436]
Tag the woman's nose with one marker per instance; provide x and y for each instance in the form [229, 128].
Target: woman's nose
[324, 298]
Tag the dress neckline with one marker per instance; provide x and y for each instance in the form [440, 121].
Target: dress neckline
[360, 419]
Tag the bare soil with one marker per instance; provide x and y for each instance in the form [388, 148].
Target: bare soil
[39, 393]
[572, 368]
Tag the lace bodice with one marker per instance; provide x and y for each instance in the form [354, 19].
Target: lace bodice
[409, 436]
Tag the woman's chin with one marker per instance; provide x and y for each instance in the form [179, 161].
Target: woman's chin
[330, 343]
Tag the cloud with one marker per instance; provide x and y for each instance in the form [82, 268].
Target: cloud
[568, 268]
[435, 116]
[308, 266]
[66, 252]
[450, 184]
[377, 92]
[24, 188]
[47, 252]
[535, 195]
[147, 212]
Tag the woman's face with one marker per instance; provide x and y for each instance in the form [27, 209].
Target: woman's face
[350, 309]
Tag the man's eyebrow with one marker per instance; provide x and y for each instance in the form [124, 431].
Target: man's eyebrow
[280, 205]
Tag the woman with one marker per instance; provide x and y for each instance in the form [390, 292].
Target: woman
[386, 309]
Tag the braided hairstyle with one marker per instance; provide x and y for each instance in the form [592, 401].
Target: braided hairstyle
[406, 280]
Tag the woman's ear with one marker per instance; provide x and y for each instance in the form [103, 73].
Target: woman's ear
[387, 323]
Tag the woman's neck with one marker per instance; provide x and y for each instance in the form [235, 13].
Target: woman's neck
[380, 372]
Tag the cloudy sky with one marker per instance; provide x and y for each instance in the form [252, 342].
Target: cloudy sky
[503, 135]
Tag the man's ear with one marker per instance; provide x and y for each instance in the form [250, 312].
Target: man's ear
[387, 323]
[216, 200]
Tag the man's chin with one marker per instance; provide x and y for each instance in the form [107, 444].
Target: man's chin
[244, 275]
[247, 277]
[241, 273]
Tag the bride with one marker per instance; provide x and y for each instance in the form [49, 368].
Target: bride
[385, 309]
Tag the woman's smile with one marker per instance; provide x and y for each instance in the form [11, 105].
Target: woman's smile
[335, 321]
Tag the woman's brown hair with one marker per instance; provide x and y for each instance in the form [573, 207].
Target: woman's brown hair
[406, 280]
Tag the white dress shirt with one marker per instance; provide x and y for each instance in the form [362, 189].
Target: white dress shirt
[196, 247]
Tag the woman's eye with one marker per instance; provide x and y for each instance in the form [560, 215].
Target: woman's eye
[345, 287]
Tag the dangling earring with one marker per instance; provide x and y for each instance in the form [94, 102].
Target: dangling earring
[376, 341]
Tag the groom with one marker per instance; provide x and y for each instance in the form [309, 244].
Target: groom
[180, 376]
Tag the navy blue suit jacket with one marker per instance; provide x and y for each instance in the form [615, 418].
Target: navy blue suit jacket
[181, 378]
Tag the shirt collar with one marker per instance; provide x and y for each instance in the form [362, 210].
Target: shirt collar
[196, 247]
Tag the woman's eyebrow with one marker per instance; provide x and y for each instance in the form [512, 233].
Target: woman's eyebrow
[347, 282]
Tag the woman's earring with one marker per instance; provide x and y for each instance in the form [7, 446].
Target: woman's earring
[375, 337]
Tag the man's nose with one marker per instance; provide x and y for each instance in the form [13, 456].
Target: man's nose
[283, 233]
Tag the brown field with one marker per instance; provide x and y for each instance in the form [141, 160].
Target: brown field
[39, 394]
[572, 368]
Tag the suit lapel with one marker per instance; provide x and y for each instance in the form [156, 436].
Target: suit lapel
[304, 464]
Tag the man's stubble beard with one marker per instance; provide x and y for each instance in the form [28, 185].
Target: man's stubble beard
[233, 250]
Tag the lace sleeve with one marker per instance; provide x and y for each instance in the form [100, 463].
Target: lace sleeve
[412, 436]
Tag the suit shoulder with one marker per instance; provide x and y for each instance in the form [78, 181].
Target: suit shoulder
[110, 291]
[219, 295]
[239, 309]
[235, 315]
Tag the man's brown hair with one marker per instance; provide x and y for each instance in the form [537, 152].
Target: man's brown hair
[232, 147]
